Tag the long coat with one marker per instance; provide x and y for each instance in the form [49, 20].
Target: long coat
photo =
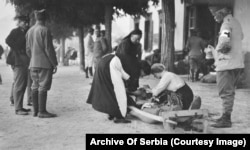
[107, 93]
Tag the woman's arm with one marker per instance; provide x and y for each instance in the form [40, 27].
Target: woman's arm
[162, 85]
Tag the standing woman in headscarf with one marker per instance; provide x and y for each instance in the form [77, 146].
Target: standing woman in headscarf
[129, 52]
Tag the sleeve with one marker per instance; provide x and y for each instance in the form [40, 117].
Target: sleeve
[11, 40]
[116, 63]
[104, 45]
[49, 49]
[224, 40]
[116, 73]
[162, 85]
[123, 48]
[28, 49]
[139, 52]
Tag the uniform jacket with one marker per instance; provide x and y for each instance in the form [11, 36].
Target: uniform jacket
[16, 41]
[195, 45]
[234, 58]
[40, 48]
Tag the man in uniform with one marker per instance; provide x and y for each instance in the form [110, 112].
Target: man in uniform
[89, 46]
[43, 63]
[229, 61]
[19, 62]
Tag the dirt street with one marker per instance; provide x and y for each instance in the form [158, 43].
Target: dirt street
[67, 99]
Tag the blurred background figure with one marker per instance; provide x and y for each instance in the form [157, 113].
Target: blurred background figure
[100, 46]
[195, 49]
[89, 46]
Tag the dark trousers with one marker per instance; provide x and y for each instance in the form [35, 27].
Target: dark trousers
[226, 82]
[19, 85]
[29, 83]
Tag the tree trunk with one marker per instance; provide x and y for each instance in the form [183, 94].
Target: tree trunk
[108, 25]
[167, 47]
[81, 49]
[62, 53]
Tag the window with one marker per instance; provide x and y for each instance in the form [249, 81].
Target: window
[192, 19]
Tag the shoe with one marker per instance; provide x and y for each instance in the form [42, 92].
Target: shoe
[121, 120]
[21, 112]
[26, 110]
[34, 102]
[43, 113]
[110, 117]
[223, 122]
[46, 115]
[217, 120]
[35, 114]
[29, 104]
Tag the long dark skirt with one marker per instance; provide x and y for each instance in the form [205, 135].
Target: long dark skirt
[102, 95]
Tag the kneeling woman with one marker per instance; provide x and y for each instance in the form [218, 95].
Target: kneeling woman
[171, 93]
[108, 92]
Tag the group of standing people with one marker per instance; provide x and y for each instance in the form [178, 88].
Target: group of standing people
[94, 49]
[32, 55]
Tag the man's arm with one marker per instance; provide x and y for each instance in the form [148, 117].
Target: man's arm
[49, 49]
[11, 40]
[28, 49]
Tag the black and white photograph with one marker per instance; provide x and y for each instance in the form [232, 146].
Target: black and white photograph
[72, 68]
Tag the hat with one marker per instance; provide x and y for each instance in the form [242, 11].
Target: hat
[213, 9]
[22, 18]
[40, 14]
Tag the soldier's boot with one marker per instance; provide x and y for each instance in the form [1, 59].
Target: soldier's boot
[35, 102]
[42, 99]
[90, 71]
[218, 119]
[196, 76]
[87, 72]
[223, 122]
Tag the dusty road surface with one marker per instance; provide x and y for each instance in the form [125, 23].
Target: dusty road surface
[67, 99]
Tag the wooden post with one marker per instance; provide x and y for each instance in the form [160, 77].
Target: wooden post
[168, 28]
[108, 25]
[81, 49]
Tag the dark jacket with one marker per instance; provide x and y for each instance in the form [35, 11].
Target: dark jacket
[130, 55]
[17, 43]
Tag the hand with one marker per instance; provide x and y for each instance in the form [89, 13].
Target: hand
[54, 70]
[147, 105]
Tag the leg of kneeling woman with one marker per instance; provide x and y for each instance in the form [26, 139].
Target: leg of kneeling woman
[186, 96]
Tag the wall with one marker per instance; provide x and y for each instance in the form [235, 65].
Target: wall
[241, 12]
